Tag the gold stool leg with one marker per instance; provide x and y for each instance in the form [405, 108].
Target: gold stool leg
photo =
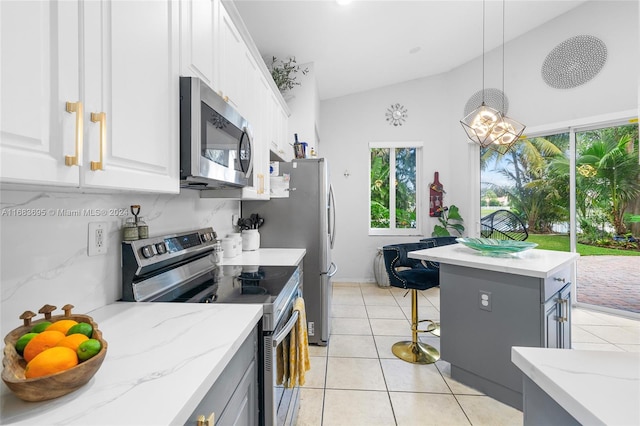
[414, 351]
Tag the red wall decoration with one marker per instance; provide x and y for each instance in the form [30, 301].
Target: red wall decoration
[436, 193]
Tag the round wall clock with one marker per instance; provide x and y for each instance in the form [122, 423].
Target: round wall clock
[396, 115]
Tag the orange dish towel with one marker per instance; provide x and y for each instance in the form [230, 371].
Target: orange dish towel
[299, 362]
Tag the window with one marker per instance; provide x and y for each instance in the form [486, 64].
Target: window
[394, 188]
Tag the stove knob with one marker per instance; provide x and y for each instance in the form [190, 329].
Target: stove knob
[147, 251]
[161, 248]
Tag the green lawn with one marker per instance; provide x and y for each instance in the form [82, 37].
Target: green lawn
[561, 243]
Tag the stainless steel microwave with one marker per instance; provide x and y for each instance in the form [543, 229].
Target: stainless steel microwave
[215, 142]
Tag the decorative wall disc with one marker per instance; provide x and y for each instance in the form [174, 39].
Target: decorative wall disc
[396, 115]
[494, 98]
[574, 62]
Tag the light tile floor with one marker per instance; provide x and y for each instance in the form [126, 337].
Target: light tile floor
[356, 380]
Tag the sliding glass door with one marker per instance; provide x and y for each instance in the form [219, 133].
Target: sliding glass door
[607, 209]
[577, 190]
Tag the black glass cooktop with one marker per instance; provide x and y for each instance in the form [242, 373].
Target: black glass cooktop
[233, 284]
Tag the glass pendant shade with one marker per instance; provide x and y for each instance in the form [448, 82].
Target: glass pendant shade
[480, 124]
[505, 133]
[487, 126]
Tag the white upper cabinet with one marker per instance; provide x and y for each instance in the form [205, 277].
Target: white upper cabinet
[40, 66]
[121, 132]
[90, 91]
[231, 61]
[197, 34]
[131, 74]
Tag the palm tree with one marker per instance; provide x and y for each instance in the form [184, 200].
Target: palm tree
[531, 194]
[616, 173]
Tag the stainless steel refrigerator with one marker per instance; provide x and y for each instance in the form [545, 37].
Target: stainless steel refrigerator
[304, 219]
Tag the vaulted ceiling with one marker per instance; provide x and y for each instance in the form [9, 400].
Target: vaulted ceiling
[370, 44]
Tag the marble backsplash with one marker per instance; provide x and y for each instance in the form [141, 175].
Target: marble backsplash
[44, 236]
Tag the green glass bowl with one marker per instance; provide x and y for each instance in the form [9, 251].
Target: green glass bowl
[491, 247]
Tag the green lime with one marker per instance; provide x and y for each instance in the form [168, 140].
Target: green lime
[40, 327]
[88, 348]
[81, 328]
[23, 340]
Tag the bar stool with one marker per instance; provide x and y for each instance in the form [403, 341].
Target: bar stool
[415, 275]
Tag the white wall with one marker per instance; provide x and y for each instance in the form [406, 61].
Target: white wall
[304, 103]
[348, 125]
[44, 259]
[436, 104]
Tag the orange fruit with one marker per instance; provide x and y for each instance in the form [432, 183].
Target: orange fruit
[50, 361]
[62, 325]
[45, 340]
[73, 341]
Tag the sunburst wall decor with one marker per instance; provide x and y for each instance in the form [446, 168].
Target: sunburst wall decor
[396, 115]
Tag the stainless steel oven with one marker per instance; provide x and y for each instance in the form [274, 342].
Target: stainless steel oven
[215, 140]
[281, 403]
[183, 268]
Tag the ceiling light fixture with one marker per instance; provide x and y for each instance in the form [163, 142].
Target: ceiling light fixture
[487, 126]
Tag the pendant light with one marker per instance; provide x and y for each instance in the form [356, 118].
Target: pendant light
[509, 130]
[487, 126]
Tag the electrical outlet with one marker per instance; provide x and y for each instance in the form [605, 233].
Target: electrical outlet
[485, 300]
[311, 328]
[234, 219]
[97, 244]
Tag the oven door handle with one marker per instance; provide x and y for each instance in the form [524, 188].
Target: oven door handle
[286, 330]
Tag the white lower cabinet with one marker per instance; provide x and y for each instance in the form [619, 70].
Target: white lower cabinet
[121, 131]
[233, 398]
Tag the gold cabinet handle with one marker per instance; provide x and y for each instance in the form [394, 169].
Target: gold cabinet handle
[76, 160]
[100, 117]
[201, 421]
[261, 183]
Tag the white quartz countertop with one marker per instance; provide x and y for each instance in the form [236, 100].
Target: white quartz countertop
[266, 257]
[533, 263]
[595, 387]
[161, 360]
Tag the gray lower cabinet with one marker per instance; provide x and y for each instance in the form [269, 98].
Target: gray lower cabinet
[233, 398]
[541, 409]
[558, 319]
[484, 313]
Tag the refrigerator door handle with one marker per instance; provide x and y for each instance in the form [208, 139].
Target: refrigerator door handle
[332, 222]
[331, 273]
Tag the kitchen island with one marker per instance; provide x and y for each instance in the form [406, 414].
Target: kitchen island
[489, 304]
[161, 360]
[579, 387]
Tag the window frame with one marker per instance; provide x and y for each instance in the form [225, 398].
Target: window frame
[418, 145]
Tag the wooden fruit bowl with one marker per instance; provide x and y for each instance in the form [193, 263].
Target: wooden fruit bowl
[53, 385]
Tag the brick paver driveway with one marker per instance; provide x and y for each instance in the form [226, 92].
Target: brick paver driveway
[611, 281]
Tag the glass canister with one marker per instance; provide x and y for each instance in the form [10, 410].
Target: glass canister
[130, 230]
[143, 228]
